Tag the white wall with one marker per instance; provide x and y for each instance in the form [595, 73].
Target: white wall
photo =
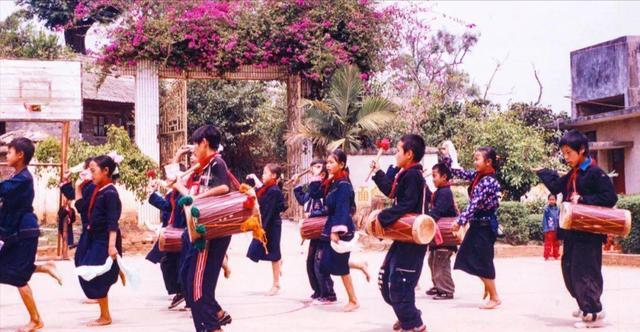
[359, 167]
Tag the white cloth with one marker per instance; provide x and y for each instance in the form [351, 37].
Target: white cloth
[89, 272]
[342, 247]
[133, 277]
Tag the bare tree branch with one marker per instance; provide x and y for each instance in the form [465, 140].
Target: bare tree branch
[493, 75]
[535, 74]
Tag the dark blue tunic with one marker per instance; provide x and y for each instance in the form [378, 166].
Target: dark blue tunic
[82, 205]
[166, 211]
[402, 266]
[103, 219]
[340, 204]
[18, 229]
[271, 205]
[312, 198]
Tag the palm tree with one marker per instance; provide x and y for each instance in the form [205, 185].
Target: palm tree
[345, 115]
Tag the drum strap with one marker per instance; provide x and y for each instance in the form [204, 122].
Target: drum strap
[424, 199]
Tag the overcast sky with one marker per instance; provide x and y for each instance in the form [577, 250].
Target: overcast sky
[522, 34]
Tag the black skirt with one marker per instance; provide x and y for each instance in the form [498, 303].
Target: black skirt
[331, 262]
[475, 255]
[256, 250]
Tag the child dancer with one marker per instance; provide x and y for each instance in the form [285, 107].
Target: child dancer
[476, 251]
[313, 197]
[66, 219]
[340, 201]
[442, 205]
[271, 201]
[210, 179]
[19, 230]
[400, 271]
[172, 215]
[581, 263]
[550, 227]
[103, 235]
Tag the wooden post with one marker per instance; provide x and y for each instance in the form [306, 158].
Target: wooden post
[63, 246]
[147, 116]
[298, 154]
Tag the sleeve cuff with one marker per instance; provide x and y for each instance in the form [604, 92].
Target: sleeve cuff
[339, 229]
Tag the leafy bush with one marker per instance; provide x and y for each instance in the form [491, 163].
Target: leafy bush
[631, 244]
[132, 169]
[515, 222]
[534, 222]
[461, 198]
[535, 206]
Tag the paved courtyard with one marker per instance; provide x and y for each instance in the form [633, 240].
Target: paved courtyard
[534, 299]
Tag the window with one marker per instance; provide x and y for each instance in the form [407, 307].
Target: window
[603, 105]
[98, 126]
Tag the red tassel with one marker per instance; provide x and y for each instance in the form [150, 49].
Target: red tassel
[249, 203]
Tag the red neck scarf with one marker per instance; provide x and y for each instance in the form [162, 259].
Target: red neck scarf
[571, 184]
[395, 180]
[93, 198]
[343, 174]
[479, 175]
[172, 200]
[265, 187]
[202, 164]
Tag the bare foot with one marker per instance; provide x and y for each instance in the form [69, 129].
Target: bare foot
[274, 290]
[365, 270]
[351, 306]
[90, 301]
[32, 326]
[227, 271]
[491, 304]
[50, 268]
[100, 322]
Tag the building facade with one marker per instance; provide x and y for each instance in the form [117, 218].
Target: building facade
[605, 94]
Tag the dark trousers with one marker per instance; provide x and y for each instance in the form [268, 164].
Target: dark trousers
[440, 265]
[311, 269]
[169, 265]
[582, 272]
[204, 270]
[69, 232]
[325, 284]
[398, 278]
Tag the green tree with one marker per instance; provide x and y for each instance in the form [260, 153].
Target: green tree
[445, 121]
[345, 118]
[519, 147]
[539, 117]
[132, 169]
[19, 38]
[75, 17]
[253, 125]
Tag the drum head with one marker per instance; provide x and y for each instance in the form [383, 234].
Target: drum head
[566, 209]
[368, 225]
[424, 229]
[161, 237]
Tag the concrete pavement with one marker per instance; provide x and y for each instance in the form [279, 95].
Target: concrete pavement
[532, 291]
